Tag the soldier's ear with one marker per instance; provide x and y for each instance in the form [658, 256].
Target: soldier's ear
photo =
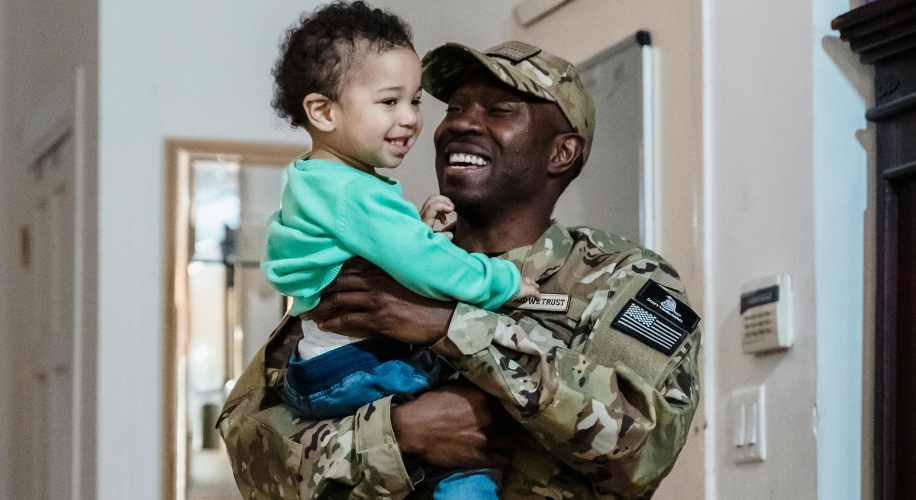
[567, 149]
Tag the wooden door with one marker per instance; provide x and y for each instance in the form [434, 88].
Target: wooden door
[882, 33]
[906, 337]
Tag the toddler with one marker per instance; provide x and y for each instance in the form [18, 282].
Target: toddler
[349, 75]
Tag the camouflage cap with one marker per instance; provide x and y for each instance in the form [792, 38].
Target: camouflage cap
[521, 66]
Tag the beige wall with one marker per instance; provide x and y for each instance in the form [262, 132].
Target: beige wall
[763, 224]
[580, 30]
[785, 99]
[5, 337]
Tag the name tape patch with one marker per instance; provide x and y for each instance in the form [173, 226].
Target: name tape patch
[555, 302]
[649, 328]
[655, 298]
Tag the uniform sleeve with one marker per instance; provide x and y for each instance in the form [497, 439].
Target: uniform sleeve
[602, 419]
[385, 229]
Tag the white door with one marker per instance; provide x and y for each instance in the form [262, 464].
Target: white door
[51, 292]
[51, 305]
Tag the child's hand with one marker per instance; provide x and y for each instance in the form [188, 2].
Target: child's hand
[530, 288]
[436, 208]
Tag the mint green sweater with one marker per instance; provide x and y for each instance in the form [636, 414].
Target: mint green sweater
[331, 212]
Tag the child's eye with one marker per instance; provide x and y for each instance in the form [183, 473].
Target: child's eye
[415, 102]
[390, 102]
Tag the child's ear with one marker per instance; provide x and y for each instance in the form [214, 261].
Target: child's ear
[319, 110]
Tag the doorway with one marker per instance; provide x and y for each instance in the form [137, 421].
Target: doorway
[219, 306]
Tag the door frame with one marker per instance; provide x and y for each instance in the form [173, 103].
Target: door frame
[180, 154]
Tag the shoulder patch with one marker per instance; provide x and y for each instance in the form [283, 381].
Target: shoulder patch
[649, 328]
[655, 298]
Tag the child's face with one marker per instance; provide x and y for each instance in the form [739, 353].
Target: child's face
[379, 109]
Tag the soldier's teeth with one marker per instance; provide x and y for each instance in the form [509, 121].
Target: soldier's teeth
[468, 159]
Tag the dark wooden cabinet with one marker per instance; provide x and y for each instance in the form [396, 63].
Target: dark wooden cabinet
[883, 33]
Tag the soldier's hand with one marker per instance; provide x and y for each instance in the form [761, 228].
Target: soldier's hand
[371, 301]
[454, 426]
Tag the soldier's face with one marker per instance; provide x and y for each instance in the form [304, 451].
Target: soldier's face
[493, 147]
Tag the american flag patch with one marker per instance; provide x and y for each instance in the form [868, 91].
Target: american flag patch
[648, 328]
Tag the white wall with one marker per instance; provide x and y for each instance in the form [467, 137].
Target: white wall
[580, 30]
[167, 69]
[195, 69]
[842, 87]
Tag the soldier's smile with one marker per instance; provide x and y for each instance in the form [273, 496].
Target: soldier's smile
[465, 156]
[466, 160]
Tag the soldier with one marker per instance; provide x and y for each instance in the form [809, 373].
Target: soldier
[599, 376]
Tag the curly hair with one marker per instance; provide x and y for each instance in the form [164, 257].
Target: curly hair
[318, 52]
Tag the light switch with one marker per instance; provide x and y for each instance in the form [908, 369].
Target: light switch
[750, 410]
[746, 408]
[740, 427]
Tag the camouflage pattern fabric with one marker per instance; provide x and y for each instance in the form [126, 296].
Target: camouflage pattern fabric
[604, 415]
[521, 66]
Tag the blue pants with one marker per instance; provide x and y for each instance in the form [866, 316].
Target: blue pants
[341, 381]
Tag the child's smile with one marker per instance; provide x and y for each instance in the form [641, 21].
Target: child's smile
[377, 118]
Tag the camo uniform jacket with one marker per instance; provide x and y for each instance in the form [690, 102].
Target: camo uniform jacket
[606, 408]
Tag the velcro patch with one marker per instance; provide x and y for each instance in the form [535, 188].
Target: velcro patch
[514, 51]
[649, 328]
[655, 298]
[555, 302]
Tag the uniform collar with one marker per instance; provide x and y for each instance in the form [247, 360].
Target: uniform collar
[544, 257]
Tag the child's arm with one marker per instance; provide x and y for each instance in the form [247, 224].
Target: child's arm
[377, 224]
[438, 208]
